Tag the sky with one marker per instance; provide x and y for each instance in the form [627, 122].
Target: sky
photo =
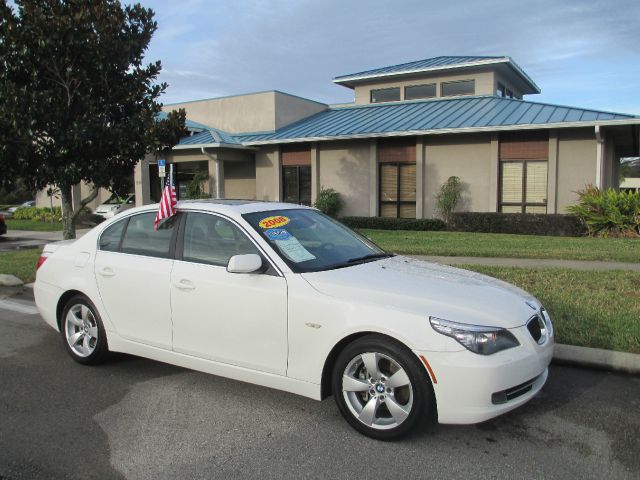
[583, 53]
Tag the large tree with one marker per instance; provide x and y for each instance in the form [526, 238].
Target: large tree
[78, 103]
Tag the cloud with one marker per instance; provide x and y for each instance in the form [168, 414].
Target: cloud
[300, 45]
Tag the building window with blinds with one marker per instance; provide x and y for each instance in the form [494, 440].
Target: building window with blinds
[398, 190]
[523, 186]
[397, 177]
[296, 174]
[385, 95]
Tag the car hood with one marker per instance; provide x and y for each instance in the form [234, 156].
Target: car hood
[403, 283]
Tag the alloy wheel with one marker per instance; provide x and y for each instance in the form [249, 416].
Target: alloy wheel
[377, 390]
[81, 329]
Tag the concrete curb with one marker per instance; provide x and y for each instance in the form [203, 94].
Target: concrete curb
[597, 358]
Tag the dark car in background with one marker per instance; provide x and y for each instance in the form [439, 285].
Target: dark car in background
[3, 225]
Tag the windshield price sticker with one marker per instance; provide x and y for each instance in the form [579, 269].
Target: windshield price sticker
[274, 222]
[276, 234]
[293, 249]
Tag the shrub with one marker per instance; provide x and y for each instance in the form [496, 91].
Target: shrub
[518, 223]
[383, 223]
[608, 213]
[42, 214]
[448, 198]
[329, 202]
[195, 188]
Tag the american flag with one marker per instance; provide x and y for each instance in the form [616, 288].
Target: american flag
[168, 201]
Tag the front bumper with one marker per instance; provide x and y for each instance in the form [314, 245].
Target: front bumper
[471, 388]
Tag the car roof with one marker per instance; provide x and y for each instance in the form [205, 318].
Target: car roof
[231, 206]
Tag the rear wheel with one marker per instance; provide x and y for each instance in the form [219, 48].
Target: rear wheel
[380, 388]
[82, 331]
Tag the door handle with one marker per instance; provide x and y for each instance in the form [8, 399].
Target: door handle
[184, 284]
[107, 272]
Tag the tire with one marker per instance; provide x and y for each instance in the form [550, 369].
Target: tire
[82, 331]
[388, 407]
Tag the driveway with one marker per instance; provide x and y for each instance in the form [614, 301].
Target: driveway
[139, 419]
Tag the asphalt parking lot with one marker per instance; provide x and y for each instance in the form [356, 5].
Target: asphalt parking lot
[138, 419]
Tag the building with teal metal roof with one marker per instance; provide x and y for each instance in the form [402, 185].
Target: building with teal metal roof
[410, 127]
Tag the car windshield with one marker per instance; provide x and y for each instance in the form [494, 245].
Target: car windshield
[114, 200]
[309, 241]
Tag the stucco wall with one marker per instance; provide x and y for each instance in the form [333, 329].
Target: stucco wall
[344, 166]
[240, 113]
[465, 156]
[485, 84]
[507, 83]
[290, 109]
[179, 156]
[266, 170]
[240, 180]
[252, 112]
[43, 200]
[576, 164]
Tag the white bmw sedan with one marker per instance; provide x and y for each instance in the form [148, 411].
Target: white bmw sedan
[283, 296]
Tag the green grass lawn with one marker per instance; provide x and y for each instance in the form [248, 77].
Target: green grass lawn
[588, 308]
[21, 263]
[503, 245]
[33, 225]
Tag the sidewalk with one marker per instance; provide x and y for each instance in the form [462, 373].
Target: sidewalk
[531, 263]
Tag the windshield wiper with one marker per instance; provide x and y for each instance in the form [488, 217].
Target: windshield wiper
[357, 261]
[372, 256]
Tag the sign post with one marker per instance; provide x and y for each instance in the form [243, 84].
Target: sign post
[162, 173]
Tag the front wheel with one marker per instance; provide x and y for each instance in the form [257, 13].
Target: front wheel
[82, 331]
[380, 388]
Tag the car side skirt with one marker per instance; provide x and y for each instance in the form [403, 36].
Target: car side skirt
[278, 382]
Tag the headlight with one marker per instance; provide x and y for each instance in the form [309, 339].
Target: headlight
[547, 320]
[476, 338]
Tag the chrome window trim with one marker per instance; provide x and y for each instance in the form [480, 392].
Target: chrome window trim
[188, 210]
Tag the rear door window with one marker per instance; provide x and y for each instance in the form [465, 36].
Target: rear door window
[110, 238]
[140, 238]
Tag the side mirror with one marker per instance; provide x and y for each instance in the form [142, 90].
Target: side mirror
[250, 263]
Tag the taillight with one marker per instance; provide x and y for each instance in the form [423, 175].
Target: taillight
[41, 260]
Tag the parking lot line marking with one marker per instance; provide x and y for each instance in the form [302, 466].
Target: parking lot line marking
[19, 307]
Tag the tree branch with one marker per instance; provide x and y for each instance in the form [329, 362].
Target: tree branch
[85, 201]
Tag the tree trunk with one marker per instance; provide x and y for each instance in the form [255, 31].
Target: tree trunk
[68, 218]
